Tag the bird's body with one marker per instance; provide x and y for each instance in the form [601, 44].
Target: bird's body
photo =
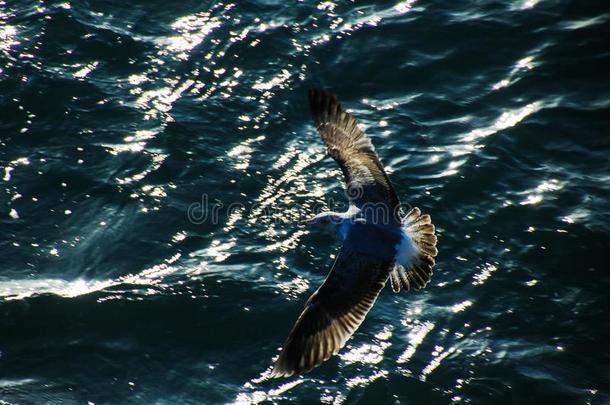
[378, 240]
[379, 243]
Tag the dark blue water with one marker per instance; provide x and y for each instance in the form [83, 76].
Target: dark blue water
[151, 154]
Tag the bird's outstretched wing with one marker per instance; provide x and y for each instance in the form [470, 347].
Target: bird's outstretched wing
[333, 312]
[365, 177]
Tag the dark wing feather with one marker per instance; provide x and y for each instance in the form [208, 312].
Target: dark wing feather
[364, 174]
[333, 312]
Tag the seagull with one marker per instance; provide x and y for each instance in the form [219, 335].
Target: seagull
[379, 242]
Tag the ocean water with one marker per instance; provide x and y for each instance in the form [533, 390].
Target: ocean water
[153, 156]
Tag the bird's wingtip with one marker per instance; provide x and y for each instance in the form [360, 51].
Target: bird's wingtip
[321, 94]
[279, 372]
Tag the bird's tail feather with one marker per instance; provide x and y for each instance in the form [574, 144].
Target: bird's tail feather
[421, 230]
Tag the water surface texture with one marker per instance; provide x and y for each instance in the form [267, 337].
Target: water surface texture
[153, 155]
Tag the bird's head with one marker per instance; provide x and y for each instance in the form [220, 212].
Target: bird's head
[328, 221]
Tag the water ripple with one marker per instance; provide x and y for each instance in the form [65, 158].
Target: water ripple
[117, 121]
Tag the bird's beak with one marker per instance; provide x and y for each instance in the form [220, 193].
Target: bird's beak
[305, 221]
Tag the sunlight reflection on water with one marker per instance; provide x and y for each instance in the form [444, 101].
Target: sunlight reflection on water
[155, 85]
[506, 120]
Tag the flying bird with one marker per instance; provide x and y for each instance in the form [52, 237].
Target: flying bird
[379, 242]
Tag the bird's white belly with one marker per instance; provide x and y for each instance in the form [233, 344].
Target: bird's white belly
[406, 251]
